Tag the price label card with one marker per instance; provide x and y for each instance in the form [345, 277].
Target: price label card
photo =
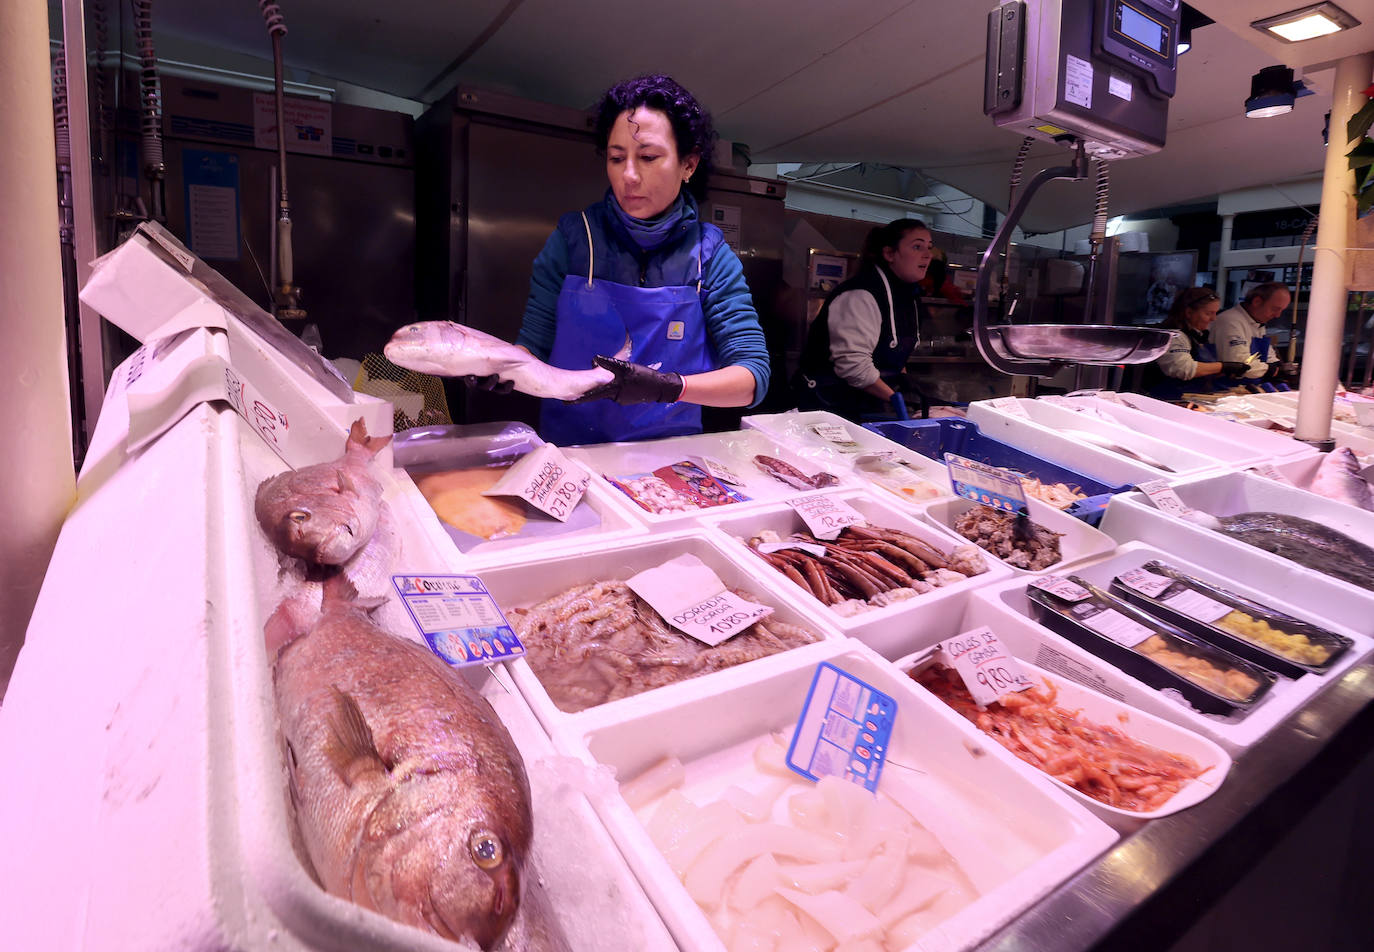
[547, 480]
[268, 421]
[458, 618]
[1194, 604]
[1111, 396]
[1269, 471]
[1063, 402]
[1146, 583]
[692, 599]
[1010, 406]
[998, 488]
[1163, 496]
[834, 433]
[989, 671]
[1114, 625]
[1060, 587]
[826, 516]
[809, 547]
[180, 255]
[718, 469]
[843, 730]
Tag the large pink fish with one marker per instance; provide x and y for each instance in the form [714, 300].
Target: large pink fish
[410, 796]
[325, 513]
[1338, 477]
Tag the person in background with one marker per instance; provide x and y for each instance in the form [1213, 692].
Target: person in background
[1239, 332]
[1190, 364]
[857, 348]
[937, 282]
[641, 268]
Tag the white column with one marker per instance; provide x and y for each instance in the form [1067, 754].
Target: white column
[1224, 253]
[1321, 351]
[39, 482]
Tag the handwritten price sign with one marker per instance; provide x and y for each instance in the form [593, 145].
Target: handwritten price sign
[547, 480]
[269, 423]
[826, 516]
[1163, 496]
[989, 671]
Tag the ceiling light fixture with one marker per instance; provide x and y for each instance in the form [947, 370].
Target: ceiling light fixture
[1320, 19]
[1272, 92]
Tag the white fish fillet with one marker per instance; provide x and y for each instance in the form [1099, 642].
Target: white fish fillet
[456, 350]
[1338, 477]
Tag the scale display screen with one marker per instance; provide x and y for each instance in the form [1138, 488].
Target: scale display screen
[1141, 29]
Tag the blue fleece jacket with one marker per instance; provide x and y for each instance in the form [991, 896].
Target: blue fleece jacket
[732, 324]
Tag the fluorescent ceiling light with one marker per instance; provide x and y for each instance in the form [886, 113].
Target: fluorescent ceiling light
[1320, 19]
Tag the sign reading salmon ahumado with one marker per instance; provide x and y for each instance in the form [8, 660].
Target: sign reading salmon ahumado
[458, 618]
[989, 671]
[692, 599]
[547, 480]
[843, 730]
[989, 485]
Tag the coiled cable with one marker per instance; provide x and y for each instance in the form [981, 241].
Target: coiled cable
[100, 32]
[150, 90]
[1100, 207]
[61, 121]
[271, 14]
[1016, 169]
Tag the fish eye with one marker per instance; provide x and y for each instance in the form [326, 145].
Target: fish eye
[486, 849]
[298, 515]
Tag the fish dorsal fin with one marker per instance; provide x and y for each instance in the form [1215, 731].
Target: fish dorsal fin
[350, 748]
[357, 436]
[346, 483]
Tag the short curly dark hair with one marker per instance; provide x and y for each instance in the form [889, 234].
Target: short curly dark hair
[692, 129]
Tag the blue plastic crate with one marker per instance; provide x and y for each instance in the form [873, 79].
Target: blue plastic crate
[935, 438]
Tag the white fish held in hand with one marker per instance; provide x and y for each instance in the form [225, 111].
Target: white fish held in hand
[456, 350]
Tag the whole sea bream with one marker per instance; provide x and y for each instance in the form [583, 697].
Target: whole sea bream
[456, 350]
[326, 512]
[410, 796]
[1302, 541]
[1338, 477]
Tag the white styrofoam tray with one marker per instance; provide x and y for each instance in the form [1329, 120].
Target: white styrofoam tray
[1077, 539]
[1263, 445]
[1006, 610]
[571, 848]
[1146, 728]
[1049, 433]
[532, 579]
[736, 449]
[796, 430]
[1045, 835]
[888, 629]
[1283, 408]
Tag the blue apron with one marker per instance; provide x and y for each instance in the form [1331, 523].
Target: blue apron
[666, 327]
[1259, 346]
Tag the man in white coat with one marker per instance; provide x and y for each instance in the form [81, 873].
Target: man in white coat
[1238, 334]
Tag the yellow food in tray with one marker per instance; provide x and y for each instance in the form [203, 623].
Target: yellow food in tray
[1226, 682]
[456, 496]
[1298, 647]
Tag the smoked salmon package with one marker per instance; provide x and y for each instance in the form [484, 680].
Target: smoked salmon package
[1283, 644]
[455, 467]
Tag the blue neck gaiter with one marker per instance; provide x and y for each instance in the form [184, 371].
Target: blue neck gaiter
[649, 233]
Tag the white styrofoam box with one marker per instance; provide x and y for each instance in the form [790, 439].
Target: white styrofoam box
[797, 431]
[1049, 432]
[1264, 445]
[889, 629]
[735, 449]
[1282, 408]
[528, 579]
[1077, 539]
[1231, 493]
[1006, 610]
[170, 795]
[1102, 710]
[714, 733]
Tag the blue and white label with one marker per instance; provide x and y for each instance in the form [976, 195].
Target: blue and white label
[458, 618]
[676, 330]
[997, 488]
[844, 729]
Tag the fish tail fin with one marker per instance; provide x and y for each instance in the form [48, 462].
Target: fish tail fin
[350, 748]
[357, 436]
[626, 349]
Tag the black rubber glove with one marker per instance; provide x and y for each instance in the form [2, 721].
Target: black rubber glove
[1234, 368]
[634, 383]
[491, 382]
